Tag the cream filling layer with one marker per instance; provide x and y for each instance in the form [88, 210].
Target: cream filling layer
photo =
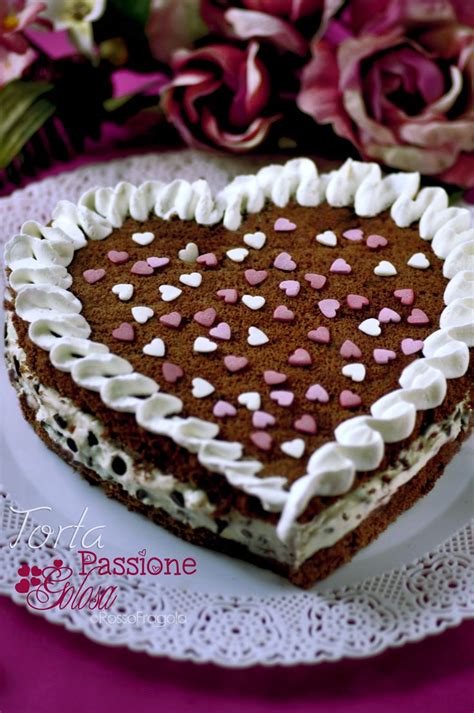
[81, 435]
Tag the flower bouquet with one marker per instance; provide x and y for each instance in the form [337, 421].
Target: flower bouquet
[388, 80]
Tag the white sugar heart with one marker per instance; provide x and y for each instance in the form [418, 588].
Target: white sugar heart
[253, 301]
[142, 314]
[201, 388]
[193, 279]
[156, 348]
[385, 269]
[169, 292]
[419, 261]
[204, 345]
[237, 254]
[355, 371]
[255, 240]
[123, 290]
[143, 238]
[190, 253]
[294, 448]
[371, 327]
[327, 238]
[256, 337]
[251, 400]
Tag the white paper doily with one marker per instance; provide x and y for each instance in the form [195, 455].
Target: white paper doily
[414, 600]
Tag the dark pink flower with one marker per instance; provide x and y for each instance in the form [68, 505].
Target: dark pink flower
[218, 97]
[284, 23]
[396, 78]
[16, 55]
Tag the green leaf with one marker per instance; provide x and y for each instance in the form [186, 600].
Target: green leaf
[23, 110]
[135, 10]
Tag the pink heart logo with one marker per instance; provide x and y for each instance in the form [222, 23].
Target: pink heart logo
[142, 553]
[35, 581]
[300, 357]
[290, 287]
[306, 424]
[376, 241]
[141, 267]
[118, 257]
[23, 571]
[208, 259]
[329, 307]
[206, 317]
[321, 335]
[222, 331]
[124, 333]
[285, 262]
[283, 225]
[357, 301]
[262, 440]
[172, 319]
[223, 409]
[350, 350]
[36, 571]
[406, 296]
[23, 586]
[316, 281]
[354, 234]
[235, 363]
[283, 398]
[411, 346]
[92, 276]
[340, 267]
[157, 262]
[274, 377]
[255, 277]
[383, 356]
[316, 392]
[171, 372]
[58, 564]
[262, 419]
[283, 314]
[230, 296]
[387, 315]
[348, 399]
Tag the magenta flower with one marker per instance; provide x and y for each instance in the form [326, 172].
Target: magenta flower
[284, 23]
[219, 97]
[397, 80]
[16, 54]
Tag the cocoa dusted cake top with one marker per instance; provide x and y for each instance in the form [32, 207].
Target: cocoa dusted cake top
[284, 331]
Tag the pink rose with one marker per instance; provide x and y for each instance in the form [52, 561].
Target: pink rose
[284, 23]
[396, 78]
[218, 97]
[16, 55]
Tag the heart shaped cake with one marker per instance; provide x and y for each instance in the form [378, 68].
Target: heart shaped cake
[276, 372]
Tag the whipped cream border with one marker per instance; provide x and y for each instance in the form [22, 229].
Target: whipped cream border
[39, 255]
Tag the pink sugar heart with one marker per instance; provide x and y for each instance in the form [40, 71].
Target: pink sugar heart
[207, 259]
[172, 319]
[290, 287]
[348, 399]
[221, 331]
[124, 333]
[118, 257]
[171, 372]
[283, 225]
[406, 296]
[355, 234]
[262, 440]
[141, 267]
[285, 262]
[329, 307]
[92, 276]
[235, 363]
[316, 392]
[306, 424]
[357, 301]
[417, 316]
[262, 419]
[383, 356]
[316, 281]
[157, 261]
[387, 315]
[206, 317]
[350, 350]
[283, 398]
[230, 296]
[283, 314]
[321, 335]
[274, 377]
[376, 241]
[255, 277]
[340, 267]
[300, 357]
[223, 409]
[411, 346]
